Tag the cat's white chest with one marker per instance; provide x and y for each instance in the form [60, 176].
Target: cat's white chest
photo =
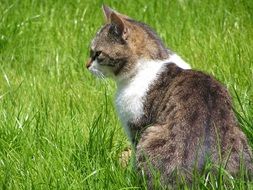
[130, 99]
[131, 94]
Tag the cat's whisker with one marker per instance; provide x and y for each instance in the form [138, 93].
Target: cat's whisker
[100, 75]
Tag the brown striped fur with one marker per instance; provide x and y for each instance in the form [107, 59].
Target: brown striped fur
[190, 119]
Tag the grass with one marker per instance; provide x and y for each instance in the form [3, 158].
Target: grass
[58, 126]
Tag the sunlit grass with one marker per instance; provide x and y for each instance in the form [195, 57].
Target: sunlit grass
[58, 127]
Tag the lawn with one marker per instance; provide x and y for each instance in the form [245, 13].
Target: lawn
[58, 126]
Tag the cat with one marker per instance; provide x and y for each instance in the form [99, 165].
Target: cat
[175, 117]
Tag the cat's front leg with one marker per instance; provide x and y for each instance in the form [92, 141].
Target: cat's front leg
[125, 156]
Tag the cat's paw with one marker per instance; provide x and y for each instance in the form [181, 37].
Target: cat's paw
[125, 156]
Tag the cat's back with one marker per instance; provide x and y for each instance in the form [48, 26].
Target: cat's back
[192, 120]
[189, 94]
[196, 90]
[193, 117]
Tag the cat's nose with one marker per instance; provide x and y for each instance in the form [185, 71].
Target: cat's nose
[88, 64]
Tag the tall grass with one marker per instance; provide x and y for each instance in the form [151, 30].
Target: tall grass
[58, 127]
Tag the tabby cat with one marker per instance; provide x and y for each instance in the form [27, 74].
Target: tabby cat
[175, 117]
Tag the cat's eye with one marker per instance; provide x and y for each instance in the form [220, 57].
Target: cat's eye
[97, 54]
[94, 54]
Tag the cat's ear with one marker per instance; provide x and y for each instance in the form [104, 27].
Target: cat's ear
[119, 26]
[107, 13]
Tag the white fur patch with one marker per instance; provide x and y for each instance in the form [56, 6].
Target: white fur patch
[131, 93]
[179, 61]
[100, 70]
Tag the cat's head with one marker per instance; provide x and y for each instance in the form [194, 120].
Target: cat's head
[120, 44]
